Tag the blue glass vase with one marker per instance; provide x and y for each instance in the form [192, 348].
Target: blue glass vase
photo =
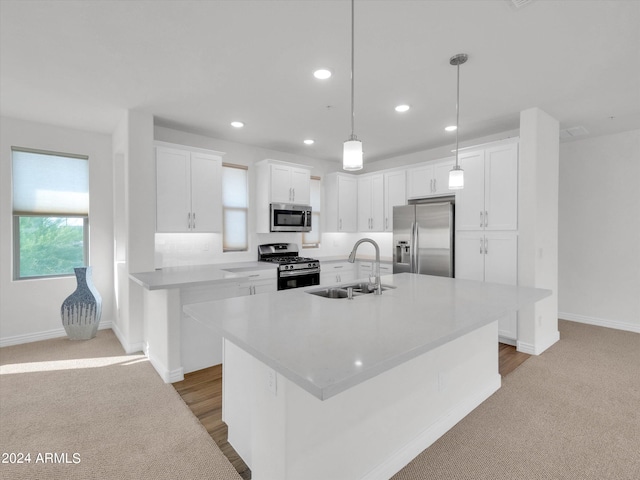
[81, 310]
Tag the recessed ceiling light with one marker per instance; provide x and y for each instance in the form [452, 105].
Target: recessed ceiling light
[308, 141]
[402, 108]
[451, 128]
[237, 124]
[322, 74]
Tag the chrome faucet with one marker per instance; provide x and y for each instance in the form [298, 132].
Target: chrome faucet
[352, 258]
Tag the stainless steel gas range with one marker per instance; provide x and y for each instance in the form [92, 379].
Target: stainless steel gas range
[293, 271]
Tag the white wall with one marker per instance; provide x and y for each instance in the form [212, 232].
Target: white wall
[599, 247]
[30, 309]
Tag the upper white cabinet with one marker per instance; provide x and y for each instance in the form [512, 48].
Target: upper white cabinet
[341, 202]
[288, 184]
[489, 199]
[188, 190]
[371, 203]
[395, 193]
[279, 182]
[430, 179]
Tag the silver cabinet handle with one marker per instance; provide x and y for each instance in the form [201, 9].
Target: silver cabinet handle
[193, 223]
[294, 194]
[386, 223]
[431, 183]
[435, 185]
[480, 245]
[486, 245]
[255, 275]
[338, 266]
[340, 224]
[189, 220]
[486, 219]
[481, 219]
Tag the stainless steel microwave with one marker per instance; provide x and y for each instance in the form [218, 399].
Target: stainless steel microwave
[287, 217]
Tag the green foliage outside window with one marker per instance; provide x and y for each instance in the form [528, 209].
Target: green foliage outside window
[50, 245]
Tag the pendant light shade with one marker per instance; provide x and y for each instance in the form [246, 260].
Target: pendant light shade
[352, 157]
[456, 175]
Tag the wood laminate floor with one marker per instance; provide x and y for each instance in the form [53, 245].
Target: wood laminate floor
[202, 392]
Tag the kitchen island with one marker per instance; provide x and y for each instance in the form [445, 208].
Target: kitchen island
[320, 388]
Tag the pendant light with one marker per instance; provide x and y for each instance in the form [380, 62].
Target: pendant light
[352, 152]
[456, 175]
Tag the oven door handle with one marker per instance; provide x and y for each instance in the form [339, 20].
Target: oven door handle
[297, 273]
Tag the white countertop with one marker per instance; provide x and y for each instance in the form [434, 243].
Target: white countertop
[188, 276]
[329, 345]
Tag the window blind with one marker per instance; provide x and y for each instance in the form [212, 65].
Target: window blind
[49, 184]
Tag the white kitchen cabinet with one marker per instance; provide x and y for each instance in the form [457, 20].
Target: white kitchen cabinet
[429, 179]
[366, 268]
[371, 203]
[189, 190]
[490, 257]
[279, 182]
[341, 202]
[259, 281]
[395, 194]
[200, 346]
[489, 199]
[337, 272]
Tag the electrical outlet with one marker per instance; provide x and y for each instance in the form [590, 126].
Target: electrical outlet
[272, 381]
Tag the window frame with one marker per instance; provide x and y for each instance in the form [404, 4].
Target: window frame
[16, 216]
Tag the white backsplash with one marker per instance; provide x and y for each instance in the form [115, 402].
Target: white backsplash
[181, 249]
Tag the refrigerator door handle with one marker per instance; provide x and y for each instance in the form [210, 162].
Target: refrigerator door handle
[412, 248]
[416, 254]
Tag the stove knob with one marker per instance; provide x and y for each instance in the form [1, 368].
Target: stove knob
[309, 265]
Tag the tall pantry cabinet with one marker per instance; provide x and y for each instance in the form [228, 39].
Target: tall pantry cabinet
[486, 218]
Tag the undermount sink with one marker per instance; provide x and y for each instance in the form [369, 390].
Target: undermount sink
[361, 288]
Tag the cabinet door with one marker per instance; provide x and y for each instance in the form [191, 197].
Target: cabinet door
[420, 181]
[501, 257]
[395, 193]
[470, 199]
[347, 204]
[501, 187]
[441, 177]
[281, 190]
[173, 190]
[301, 186]
[364, 204]
[469, 255]
[206, 193]
[377, 203]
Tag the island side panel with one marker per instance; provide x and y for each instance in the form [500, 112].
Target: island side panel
[370, 431]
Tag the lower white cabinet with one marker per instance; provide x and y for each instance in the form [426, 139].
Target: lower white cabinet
[366, 268]
[259, 281]
[201, 347]
[490, 257]
[337, 272]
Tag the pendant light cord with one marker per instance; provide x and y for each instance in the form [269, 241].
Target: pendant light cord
[457, 113]
[353, 115]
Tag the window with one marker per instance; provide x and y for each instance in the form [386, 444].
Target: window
[235, 208]
[50, 213]
[312, 239]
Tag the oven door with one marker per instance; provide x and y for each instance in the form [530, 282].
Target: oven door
[290, 218]
[300, 278]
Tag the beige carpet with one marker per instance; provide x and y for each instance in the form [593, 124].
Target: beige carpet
[571, 413]
[109, 409]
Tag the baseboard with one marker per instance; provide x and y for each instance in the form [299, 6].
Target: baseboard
[507, 340]
[539, 347]
[46, 335]
[423, 441]
[600, 322]
[168, 376]
[129, 348]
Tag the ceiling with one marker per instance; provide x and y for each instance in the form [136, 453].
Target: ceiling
[198, 65]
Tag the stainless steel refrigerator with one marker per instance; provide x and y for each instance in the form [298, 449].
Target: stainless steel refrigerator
[423, 238]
